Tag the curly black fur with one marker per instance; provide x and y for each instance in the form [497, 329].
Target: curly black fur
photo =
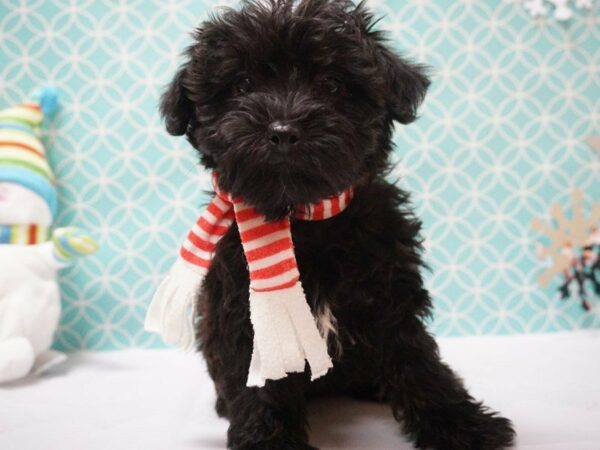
[319, 66]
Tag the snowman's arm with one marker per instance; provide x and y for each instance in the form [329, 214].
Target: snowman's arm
[67, 245]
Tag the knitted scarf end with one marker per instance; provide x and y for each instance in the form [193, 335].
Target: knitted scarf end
[285, 336]
[171, 312]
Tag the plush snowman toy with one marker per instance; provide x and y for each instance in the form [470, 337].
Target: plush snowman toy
[30, 253]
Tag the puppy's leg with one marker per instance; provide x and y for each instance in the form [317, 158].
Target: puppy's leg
[221, 407]
[430, 400]
[270, 418]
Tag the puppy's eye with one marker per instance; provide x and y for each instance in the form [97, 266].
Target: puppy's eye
[243, 86]
[332, 85]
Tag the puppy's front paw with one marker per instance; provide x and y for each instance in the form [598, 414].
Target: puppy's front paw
[275, 445]
[264, 440]
[467, 426]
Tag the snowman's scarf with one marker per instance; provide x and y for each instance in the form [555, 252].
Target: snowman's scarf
[23, 234]
[285, 332]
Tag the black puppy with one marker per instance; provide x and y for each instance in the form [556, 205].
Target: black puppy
[318, 69]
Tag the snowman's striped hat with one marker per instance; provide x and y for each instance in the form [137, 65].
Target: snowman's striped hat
[22, 154]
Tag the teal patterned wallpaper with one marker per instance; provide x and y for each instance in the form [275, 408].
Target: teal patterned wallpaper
[499, 140]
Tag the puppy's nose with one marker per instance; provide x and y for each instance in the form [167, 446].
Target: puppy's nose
[283, 134]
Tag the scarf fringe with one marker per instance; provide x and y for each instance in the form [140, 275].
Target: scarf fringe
[285, 335]
[172, 309]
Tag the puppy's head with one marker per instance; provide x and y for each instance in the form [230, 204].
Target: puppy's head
[291, 101]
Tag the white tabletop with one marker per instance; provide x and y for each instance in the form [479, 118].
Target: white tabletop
[143, 399]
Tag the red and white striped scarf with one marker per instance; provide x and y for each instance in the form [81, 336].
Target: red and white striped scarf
[285, 332]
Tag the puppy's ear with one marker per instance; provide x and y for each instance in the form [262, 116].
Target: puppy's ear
[175, 106]
[407, 86]
[407, 83]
